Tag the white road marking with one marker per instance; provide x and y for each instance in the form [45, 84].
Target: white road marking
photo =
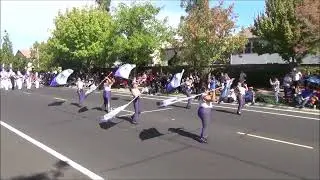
[172, 119]
[26, 92]
[251, 110]
[54, 153]
[275, 140]
[60, 99]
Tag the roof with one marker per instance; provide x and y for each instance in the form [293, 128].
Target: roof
[25, 52]
[247, 33]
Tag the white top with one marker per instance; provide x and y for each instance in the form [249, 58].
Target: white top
[296, 76]
[135, 92]
[242, 90]
[205, 104]
[107, 87]
[80, 85]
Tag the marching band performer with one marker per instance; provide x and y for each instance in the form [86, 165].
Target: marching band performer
[204, 113]
[240, 91]
[188, 90]
[4, 78]
[107, 93]
[36, 80]
[136, 103]
[80, 91]
[11, 80]
[19, 80]
[28, 79]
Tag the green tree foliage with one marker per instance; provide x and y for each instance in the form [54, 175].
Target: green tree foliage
[281, 31]
[188, 5]
[82, 38]
[104, 4]
[207, 35]
[7, 56]
[139, 33]
[308, 14]
[42, 56]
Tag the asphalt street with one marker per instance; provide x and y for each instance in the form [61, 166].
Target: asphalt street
[262, 143]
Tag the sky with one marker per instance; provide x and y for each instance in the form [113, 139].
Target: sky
[28, 21]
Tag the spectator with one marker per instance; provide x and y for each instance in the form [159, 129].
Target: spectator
[296, 76]
[276, 88]
[302, 99]
[250, 96]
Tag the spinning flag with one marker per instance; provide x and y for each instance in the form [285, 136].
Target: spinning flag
[114, 112]
[175, 81]
[226, 88]
[173, 100]
[61, 78]
[124, 70]
[92, 88]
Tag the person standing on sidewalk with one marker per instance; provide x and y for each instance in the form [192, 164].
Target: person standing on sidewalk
[276, 88]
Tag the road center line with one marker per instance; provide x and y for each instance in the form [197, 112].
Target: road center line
[54, 153]
[275, 140]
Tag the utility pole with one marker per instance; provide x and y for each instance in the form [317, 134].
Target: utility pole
[38, 56]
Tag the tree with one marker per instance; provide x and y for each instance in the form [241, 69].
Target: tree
[104, 4]
[188, 5]
[281, 31]
[207, 35]
[42, 56]
[82, 38]
[308, 14]
[139, 33]
[7, 56]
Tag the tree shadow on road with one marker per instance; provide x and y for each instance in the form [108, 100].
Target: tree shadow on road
[56, 103]
[184, 133]
[179, 106]
[115, 98]
[53, 174]
[149, 134]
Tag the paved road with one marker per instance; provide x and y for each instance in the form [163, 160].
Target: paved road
[279, 144]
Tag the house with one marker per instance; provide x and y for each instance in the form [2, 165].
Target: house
[250, 56]
[25, 53]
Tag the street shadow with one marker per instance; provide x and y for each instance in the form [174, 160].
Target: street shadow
[126, 118]
[114, 98]
[149, 134]
[184, 133]
[76, 104]
[107, 125]
[53, 174]
[56, 103]
[83, 109]
[97, 108]
[128, 100]
[225, 111]
[179, 106]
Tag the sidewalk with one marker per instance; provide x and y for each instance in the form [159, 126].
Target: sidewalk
[260, 91]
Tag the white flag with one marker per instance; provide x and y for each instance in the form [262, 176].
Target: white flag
[175, 81]
[114, 112]
[124, 70]
[173, 100]
[61, 78]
